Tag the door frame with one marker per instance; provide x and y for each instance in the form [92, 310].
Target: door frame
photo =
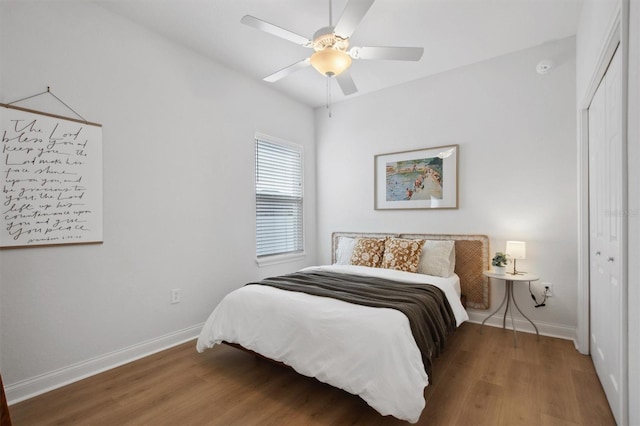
[616, 37]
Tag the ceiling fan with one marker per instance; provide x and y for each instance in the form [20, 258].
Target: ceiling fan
[332, 56]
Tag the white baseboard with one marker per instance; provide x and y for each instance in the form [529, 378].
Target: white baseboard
[46, 382]
[545, 329]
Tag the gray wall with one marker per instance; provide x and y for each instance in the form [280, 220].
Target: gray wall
[179, 209]
[516, 132]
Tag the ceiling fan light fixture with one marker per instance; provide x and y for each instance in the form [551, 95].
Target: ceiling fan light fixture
[333, 54]
[330, 62]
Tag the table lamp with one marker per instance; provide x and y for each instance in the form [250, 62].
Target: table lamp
[516, 250]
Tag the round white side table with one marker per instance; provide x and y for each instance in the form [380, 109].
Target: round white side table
[509, 279]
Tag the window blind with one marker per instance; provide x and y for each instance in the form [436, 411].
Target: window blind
[278, 198]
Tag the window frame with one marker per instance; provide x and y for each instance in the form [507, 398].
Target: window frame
[275, 258]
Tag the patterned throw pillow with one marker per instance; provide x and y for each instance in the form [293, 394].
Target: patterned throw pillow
[368, 252]
[401, 254]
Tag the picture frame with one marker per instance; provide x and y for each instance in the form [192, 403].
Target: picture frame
[419, 179]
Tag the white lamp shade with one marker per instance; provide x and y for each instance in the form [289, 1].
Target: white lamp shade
[517, 249]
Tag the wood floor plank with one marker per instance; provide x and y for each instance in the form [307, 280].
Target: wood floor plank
[482, 405]
[481, 378]
[587, 387]
[449, 387]
[521, 388]
[557, 391]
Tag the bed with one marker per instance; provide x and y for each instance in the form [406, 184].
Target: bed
[370, 330]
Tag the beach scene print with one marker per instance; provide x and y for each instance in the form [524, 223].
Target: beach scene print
[419, 179]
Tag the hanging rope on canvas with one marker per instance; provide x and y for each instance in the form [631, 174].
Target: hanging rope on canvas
[57, 98]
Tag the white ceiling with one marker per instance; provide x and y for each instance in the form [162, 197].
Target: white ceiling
[453, 33]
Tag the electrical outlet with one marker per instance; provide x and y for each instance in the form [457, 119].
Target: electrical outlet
[175, 295]
[548, 289]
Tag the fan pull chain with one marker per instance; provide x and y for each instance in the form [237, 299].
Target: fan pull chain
[329, 95]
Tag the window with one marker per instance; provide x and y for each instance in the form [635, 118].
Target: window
[278, 198]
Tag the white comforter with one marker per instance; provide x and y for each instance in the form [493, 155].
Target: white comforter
[366, 351]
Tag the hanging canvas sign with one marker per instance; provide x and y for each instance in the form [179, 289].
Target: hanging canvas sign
[51, 179]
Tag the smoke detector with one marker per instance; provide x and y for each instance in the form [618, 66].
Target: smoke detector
[544, 67]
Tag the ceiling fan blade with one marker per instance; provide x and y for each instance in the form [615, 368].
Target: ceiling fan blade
[391, 53]
[275, 30]
[346, 83]
[351, 16]
[288, 70]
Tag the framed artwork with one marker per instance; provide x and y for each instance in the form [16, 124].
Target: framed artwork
[420, 179]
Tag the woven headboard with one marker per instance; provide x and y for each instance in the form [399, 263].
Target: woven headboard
[472, 259]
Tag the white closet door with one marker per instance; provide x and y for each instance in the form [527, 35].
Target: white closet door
[605, 217]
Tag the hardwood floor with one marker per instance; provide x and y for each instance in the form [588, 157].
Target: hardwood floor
[481, 379]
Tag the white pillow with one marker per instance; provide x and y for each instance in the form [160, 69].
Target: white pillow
[345, 250]
[438, 258]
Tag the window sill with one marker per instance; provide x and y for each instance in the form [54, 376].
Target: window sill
[280, 258]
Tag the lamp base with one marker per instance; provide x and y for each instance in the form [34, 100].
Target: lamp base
[515, 272]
